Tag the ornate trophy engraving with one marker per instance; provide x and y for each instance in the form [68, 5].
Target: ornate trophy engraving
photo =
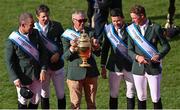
[84, 49]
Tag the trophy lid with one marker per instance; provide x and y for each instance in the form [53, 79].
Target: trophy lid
[84, 40]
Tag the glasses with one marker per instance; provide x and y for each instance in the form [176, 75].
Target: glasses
[81, 20]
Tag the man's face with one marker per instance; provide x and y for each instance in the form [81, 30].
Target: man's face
[79, 21]
[117, 21]
[136, 18]
[28, 25]
[43, 18]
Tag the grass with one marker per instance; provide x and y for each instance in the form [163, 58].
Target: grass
[61, 11]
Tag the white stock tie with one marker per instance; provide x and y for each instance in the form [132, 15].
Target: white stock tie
[119, 33]
[143, 30]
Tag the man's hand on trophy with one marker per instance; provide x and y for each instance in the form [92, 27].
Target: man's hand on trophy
[74, 42]
[74, 45]
[95, 44]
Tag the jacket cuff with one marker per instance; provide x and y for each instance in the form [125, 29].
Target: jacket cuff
[44, 68]
[135, 56]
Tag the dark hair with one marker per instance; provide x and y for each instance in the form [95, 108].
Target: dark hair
[24, 17]
[138, 10]
[42, 8]
[116, 12]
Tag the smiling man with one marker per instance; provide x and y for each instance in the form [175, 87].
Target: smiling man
[50, 32]
[142, 48]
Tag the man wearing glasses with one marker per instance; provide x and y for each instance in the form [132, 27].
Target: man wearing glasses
[79, 78]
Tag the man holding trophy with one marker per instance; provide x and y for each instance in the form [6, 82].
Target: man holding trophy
[79, 50]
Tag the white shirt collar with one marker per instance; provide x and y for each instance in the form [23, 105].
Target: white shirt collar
[145, 24]
[25, 35]
[44, 27]
[78, 30]
[75, 29]
[143, 28]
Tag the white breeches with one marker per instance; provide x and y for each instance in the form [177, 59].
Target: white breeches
[58, 82]
[35, 87]
[114, 83]
[141, 86]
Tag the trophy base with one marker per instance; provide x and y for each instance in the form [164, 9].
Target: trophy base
[84, 65]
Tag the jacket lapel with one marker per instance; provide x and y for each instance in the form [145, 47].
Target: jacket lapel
[138, 28]
[50, 27]
[149, 29]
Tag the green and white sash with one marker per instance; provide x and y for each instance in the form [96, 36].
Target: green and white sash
[117, 42]
[47, 42]
[148, 49]
[70, 34]
[25, 45]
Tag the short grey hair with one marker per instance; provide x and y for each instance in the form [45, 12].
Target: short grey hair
[24, 17]
[78, 12]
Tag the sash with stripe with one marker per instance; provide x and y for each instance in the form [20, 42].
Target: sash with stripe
[116, 41]
[148, 49]
[70, 34]
[25, 45]
[47, 42]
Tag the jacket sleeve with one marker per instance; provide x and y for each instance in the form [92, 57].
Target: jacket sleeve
[68, 55]
[105, 50]
[131, 48]
[163, 42]
[12, 61]
[59, 39]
